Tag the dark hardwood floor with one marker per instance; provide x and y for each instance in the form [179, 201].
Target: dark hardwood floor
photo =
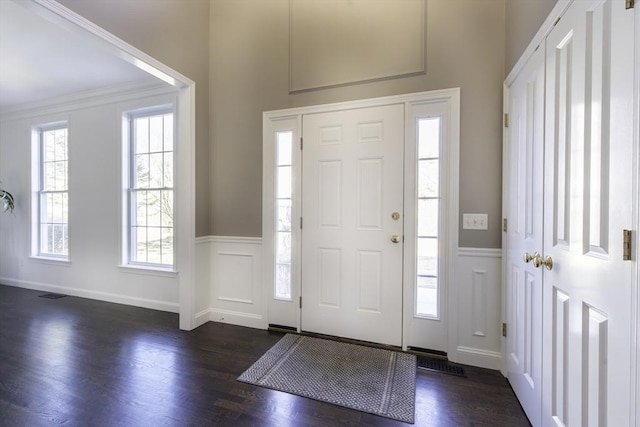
[80, 362]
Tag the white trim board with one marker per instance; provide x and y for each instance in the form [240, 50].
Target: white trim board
[95, 295]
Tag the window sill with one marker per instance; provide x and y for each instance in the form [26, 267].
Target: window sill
[63, 262]
[148, 271]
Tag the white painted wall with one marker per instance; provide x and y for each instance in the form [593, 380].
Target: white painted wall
[95, 138]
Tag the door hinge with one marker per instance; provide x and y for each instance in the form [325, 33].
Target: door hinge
[300, 223]
[300, 302]
[504, 224]
[504, 329]
[629, 4]
[626, 245]
[301, 144]
[506, 120]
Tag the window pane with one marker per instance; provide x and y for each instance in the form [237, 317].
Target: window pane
[428, 137]
[427, 256]
[141, 132]
[166, 208]
[139, 201]
[284, 182]
[284, 145]
[427, 296]
[167, 246]
[168, 132]
[283, 251]
[153, 245]
[139, 241]
[428, 217]
[141, 176]
[428, 182]
[156, 171]
[168, 170]
[156, 133]
[153, 208]
[284, 215]
[283, 281]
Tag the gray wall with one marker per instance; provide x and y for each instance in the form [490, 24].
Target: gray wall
[175, 32]
[249, 74]
[523, 19]
[237, 52]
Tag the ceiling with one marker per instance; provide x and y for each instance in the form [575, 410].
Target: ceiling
[41, 60]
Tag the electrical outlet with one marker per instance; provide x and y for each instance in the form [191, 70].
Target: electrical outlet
[475, 221]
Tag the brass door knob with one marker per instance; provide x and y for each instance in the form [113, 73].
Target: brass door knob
[395, 216]
[527, 257]
[548, 262]
[395, 238]
[537, 260]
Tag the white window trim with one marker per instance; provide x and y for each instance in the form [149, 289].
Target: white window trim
[36, 188]
[163, 106]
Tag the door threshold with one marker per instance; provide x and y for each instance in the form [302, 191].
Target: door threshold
[351, 341]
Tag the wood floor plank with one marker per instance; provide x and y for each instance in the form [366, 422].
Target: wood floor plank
[81, 362]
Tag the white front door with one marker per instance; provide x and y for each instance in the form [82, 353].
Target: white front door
[353, 223]
[588, 203]
[524, 210]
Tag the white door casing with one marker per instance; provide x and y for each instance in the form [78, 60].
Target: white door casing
[588, 202]
[415, 331]
[351, 244]
[524, 210]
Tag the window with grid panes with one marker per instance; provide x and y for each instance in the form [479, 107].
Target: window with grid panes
[53, 192]
[428, 216]
[151, 189]
[283, 214]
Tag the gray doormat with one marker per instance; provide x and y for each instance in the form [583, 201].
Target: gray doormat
[373, 380]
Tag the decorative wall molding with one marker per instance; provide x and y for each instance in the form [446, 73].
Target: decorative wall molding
[234, 291]
[88, 99]
[321, 35]
[477, 337]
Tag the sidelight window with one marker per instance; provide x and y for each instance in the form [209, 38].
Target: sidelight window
[284, 178]
[428, 202]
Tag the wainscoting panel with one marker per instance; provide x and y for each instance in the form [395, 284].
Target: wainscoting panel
[478, 279]
[236, 293]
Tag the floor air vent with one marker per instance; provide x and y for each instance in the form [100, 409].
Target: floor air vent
[52, 296]
[438, 365]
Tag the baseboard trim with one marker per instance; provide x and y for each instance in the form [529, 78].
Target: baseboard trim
[203, 317]
[479, 357]
[238, 318]
[102, 296]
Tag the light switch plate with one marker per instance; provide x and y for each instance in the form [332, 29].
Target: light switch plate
[475, 221]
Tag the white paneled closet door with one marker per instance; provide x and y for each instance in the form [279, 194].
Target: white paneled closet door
[524, 209]
[588, 203]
